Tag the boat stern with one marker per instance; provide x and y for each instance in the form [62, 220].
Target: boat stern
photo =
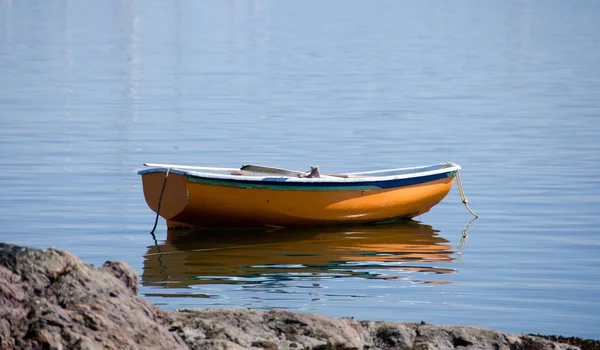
[174, 194]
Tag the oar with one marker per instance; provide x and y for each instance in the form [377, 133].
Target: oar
[261, 169]
[190, 167]
[271, 170]
[280, 171]
[250, 168]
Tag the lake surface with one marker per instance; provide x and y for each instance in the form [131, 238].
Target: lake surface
[510, 90]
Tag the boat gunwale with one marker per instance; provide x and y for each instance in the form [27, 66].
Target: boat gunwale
[370, 176]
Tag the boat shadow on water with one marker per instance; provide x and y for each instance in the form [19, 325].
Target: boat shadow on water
[405, 251]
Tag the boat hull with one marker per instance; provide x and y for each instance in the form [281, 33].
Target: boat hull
[190, 201]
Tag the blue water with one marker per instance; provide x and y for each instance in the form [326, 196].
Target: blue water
[510, 90]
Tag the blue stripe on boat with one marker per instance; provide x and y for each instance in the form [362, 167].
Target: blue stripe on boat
[279, 183]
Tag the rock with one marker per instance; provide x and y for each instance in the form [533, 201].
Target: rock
[272, 329]
[50, 299]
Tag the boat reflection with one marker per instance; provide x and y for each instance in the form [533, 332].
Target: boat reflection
[251, 256]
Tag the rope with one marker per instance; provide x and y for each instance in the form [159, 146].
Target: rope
[159, 202]
[461, 190]
[462, 194]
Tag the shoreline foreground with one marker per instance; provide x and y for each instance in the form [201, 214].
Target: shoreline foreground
[52, 300]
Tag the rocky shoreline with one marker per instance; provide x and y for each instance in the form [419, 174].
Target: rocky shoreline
[49, 299]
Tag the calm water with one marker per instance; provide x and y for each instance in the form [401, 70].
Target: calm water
[510, 90]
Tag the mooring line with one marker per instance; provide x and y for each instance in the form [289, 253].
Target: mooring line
[461, 189]
[159, 202]
[462, 194]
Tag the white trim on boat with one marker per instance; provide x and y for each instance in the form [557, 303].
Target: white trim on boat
[368, 176]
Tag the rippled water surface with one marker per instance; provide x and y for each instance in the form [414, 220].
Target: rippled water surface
[510, 90]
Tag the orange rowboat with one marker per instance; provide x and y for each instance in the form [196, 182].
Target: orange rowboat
[188, 196]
